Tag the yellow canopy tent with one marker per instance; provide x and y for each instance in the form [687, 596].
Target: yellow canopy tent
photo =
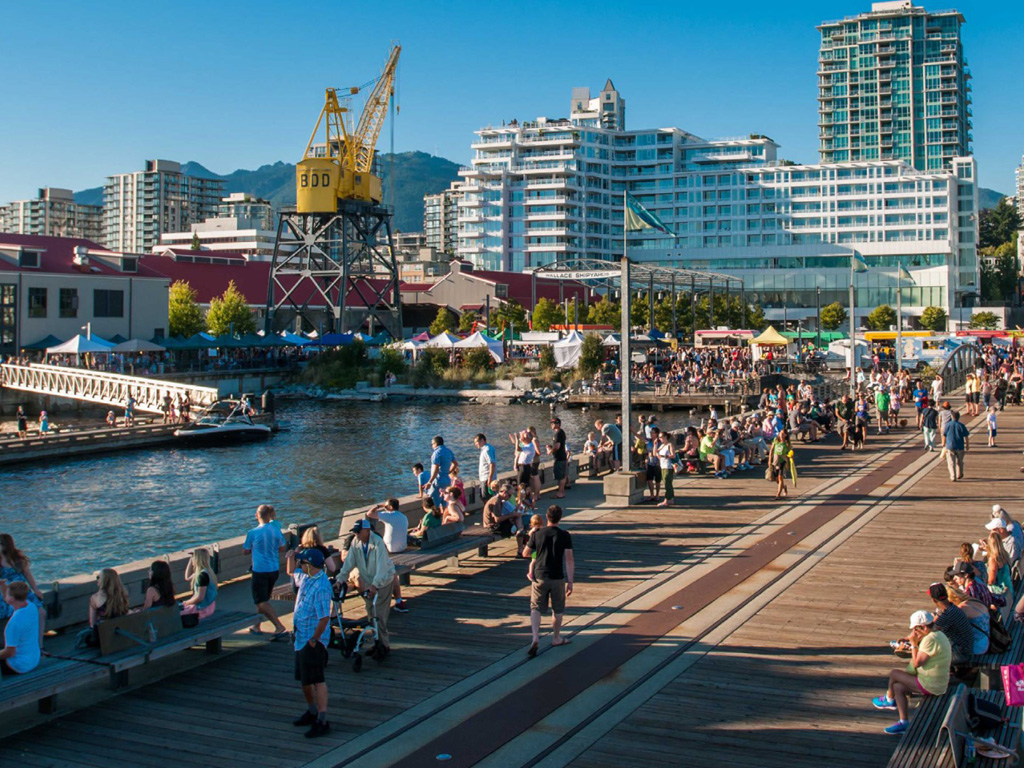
[770, 338]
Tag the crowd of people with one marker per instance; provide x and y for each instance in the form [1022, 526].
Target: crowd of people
[963, 620]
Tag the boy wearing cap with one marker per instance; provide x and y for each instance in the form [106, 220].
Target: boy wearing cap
[311, 622]
[927, 674]
[369, 558]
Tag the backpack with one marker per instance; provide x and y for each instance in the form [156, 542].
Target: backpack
[983, 715]
[999, 639]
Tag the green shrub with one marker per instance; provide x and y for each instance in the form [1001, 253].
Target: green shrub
[337, 368]
[391, 361]
[476, 360]
[547, 358]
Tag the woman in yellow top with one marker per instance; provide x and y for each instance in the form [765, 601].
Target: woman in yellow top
[971, 388]
[926, 675]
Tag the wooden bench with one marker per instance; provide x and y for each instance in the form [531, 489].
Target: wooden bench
[125, 643]
[42, 684]
[472, 537]
[988, 664]
[935, 740]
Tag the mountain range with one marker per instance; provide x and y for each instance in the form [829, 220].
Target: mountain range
[416, 174]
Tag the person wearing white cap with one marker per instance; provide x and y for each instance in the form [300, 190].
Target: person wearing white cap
[1001, 528]
[927, 674]
[1016, 532]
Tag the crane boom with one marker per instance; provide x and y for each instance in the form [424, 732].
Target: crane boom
[371, 121]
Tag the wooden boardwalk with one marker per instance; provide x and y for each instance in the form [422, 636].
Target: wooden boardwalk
[778, 670]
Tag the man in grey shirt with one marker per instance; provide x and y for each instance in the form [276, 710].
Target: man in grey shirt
[945, 415]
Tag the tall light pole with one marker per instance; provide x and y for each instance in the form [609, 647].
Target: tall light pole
[624, 361]
[818, 322]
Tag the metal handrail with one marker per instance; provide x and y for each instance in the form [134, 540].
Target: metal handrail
[955, 368]
[110, 389]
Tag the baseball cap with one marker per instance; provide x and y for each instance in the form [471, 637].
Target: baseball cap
[362, 525]
[994, 523]
[920, 618]
[312, 556]
[555, 420]
[945, 403]
[997, 510]
[937, 591]
[963, 569]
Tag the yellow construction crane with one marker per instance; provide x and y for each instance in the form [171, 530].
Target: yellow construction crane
[344, 171]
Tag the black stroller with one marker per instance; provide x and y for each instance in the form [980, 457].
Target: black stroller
[355, 638]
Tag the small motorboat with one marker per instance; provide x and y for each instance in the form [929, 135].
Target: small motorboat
[223, 422]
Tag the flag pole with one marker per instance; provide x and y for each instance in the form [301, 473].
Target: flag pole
[624, 361]
[899, 317]
[853, 334]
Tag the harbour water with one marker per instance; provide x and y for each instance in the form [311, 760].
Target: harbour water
[80, 515]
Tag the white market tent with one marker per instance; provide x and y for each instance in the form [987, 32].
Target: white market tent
[611, 340]
[79, 345]
[444, 340]
[480, 341]
[567, 351]
[137, 345]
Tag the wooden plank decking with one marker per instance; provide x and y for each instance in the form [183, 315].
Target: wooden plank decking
[791, 685]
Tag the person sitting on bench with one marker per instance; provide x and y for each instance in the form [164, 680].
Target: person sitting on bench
[926, 675]
[204, 585]
[431, 519]
[500, 515]
[21, 650]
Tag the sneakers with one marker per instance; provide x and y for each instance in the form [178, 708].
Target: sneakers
[898, 727]
[306, 718]
[883, 702]
[402, 606]
[318, 729]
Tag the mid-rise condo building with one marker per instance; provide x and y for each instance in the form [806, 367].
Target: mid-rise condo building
[53, 213]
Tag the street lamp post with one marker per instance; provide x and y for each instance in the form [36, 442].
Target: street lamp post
[818, 322]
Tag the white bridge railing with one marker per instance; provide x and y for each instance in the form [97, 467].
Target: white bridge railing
[110, 389]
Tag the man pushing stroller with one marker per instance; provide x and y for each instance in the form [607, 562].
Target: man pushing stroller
[369, 558]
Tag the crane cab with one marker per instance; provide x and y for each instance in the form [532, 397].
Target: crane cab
[317, 185]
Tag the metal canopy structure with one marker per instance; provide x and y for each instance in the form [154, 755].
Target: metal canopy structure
[644, 273]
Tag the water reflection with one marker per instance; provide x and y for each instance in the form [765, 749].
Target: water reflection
[80, 515]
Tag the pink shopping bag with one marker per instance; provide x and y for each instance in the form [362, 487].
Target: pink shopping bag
[1013, 684]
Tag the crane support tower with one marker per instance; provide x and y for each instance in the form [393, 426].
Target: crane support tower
[334, 252]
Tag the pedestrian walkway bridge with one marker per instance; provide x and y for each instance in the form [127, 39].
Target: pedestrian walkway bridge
[109, 389]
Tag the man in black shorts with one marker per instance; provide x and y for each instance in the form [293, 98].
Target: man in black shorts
[560, 455]
[312, 634]
[551, 574]
[265, 543]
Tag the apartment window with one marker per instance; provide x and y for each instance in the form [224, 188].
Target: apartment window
[107, 303]
[29, 259]
[69, 302]
[129, 264]
[36, 302]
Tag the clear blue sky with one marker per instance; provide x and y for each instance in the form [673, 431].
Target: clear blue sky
[97, 88]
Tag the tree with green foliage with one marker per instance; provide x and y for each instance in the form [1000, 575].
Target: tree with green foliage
[881, 318]
[469, 317]
[196, 244]
[477, 360]
[1000, 272]
[933, 319]
[605, 312]
[986, 320]
[391, 360]
[832, 316]
[545, 314]
[443, 321]
[338, 368]
[640, 312]
[509, 313]
[184, 316]
[547, 358]
[591, 355]
[998, 225]
[663, 314]
[576, 312]
[230, 313]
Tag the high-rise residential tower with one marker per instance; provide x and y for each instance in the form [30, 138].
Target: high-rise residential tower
[140, 206]
[552, 190]
[441, 219]
[893, 85]
[53, 213]
[1019, 193]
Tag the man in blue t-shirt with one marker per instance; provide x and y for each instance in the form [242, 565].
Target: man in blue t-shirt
[958, 442]
[265, 543]
[441, 461]
[21, 650]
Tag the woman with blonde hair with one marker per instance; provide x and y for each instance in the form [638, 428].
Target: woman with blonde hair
[967, 556]
[311, 539]
[998, 562]
[204, 585]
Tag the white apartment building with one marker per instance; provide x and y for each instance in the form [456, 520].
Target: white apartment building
[441, 219]
[548, 190]
[140, 206]
[243, 224]
[54, 213]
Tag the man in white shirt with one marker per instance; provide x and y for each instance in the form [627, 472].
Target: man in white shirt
[488, 470]
[369, 558]
[21, 650]
[396, 539]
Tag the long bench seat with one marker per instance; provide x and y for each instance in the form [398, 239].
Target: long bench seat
[42, 684]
